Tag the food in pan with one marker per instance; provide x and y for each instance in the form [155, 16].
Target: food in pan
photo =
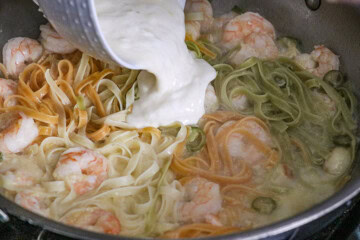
[229, 129]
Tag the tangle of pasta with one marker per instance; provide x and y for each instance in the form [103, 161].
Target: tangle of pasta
[76, 100]
[252, 160]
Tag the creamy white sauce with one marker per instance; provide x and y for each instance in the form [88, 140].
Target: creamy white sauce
[150, 34]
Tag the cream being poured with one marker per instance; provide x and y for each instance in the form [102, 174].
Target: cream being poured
[150, 34]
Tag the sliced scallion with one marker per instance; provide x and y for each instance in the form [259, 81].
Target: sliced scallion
[264, 205]
[317, 159]
[196, 139]
[334, 78]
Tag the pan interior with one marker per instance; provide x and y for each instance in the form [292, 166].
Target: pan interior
[336, 26]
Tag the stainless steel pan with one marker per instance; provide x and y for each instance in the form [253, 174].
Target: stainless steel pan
[337, 26]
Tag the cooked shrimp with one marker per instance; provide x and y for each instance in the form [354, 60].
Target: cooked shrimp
[82, 168]
[19, 178]
[32, 201]
[53, 42]
[259, 131]
[242, 150]
[19, 52]
[18, 134]
[255, 45]
[320, 61]
[217, 28]
[244, 25]
[19, 172]
[193, 29]
[203, 6]
[211, 101]
[305, 60]
[221, 21]
[202, 198]
[239, 147]
[95, 219]
[7, 88]
[326, 60]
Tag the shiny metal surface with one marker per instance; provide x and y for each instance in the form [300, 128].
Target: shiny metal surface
[3, 217]
[337, 26]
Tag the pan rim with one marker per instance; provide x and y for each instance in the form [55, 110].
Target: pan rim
[337, 200]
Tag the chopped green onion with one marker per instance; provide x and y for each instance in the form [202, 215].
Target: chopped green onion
[192, 47]
[1, 157]
[196, 139]
[264, 205]
[238, 10]
[334, 78]
[80, 102]
[317, 159]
